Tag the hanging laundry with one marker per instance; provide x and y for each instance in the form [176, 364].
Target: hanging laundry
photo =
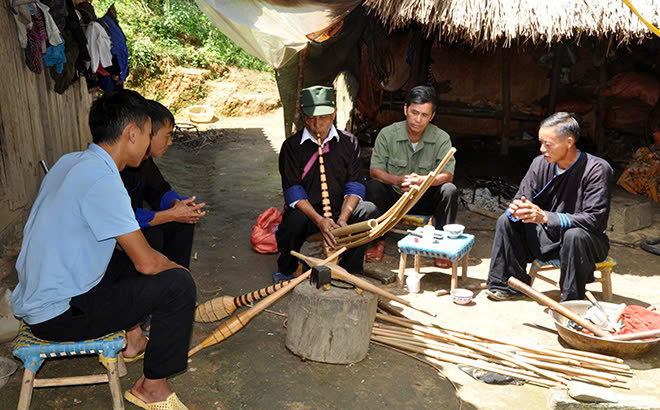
[22, 15]
[98, 45]
[36, 42]
[55, 57]
[119, 48]
[69, 73]
[58, 12]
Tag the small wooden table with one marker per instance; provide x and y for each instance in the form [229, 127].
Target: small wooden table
[450, 249]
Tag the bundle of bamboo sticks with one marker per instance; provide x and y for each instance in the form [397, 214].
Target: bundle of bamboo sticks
[544, 366]
[361, 233]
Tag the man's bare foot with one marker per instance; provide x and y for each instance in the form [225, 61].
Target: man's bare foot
[151, 390]
[136, 343]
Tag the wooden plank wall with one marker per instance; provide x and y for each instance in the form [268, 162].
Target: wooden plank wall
[35, 123]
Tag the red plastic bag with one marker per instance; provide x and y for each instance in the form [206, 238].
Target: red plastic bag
[263, 232]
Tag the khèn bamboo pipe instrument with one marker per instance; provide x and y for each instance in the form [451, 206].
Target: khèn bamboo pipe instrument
[405, 202]
[325, 195]
[237, 322]
[546, 301]
[402, 206]
[340, 273]
[223, 306]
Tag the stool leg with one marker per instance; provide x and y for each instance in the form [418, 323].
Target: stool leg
[26, 390]
[417, 257]
[465, 265]
[121, 365]
[606, 283]
[115, 387]
[454, 275]
[402, 268]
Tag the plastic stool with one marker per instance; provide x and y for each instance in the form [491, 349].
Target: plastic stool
[604, 267]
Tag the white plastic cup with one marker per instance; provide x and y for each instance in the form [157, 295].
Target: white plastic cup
[427, 234]
[413, 283]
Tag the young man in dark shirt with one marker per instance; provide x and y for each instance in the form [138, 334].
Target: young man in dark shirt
[169, 224]
[560, 212]
[301, 183]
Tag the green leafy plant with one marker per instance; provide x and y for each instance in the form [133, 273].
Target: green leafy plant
[159, 32]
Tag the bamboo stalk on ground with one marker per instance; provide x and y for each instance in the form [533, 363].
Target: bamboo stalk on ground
[479, 348]
[550, 350]
[464, 361]
[505, 365]
[542, 365]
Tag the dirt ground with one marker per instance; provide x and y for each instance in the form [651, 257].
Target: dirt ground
[238, 178]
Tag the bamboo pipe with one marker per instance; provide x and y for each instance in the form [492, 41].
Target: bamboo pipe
[439, 347]
[648, 334]
[402, 206]
[340, 273]
[325, 196]
[550, 350]
[546, 301]
[236, 323]
[223, 306]
[357, 227]
[352, 238]
[464, 361]
[576, 363]
[479, 348]
[592, 355]
[406, 334]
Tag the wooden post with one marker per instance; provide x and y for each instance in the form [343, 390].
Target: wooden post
[554, 80]
[115, 386]
[600, 111]
[299, 86]
[27, 386]
[507, 53]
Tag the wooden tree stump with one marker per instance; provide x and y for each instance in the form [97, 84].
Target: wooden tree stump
[330, 326]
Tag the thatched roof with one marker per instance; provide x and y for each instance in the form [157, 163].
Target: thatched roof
[484, 23]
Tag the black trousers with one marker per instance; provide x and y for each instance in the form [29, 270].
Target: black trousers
[125, 298]
[173, 239]
[296, 227]
[439, 201]
[517, 243]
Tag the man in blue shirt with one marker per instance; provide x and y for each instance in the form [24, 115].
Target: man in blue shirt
[82, 212]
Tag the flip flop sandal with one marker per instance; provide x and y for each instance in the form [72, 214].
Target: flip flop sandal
[442, 263]
[135, 358]
[172, 402]
[375, 254]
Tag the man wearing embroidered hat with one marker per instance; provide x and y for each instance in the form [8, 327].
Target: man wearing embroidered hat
[301, 183]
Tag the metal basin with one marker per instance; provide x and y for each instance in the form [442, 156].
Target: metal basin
[595, 344]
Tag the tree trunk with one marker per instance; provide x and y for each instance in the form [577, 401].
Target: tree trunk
[330, 326]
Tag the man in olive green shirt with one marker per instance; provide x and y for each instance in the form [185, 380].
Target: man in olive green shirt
[404, 153]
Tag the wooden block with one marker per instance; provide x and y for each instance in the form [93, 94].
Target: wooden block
[331, 326]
